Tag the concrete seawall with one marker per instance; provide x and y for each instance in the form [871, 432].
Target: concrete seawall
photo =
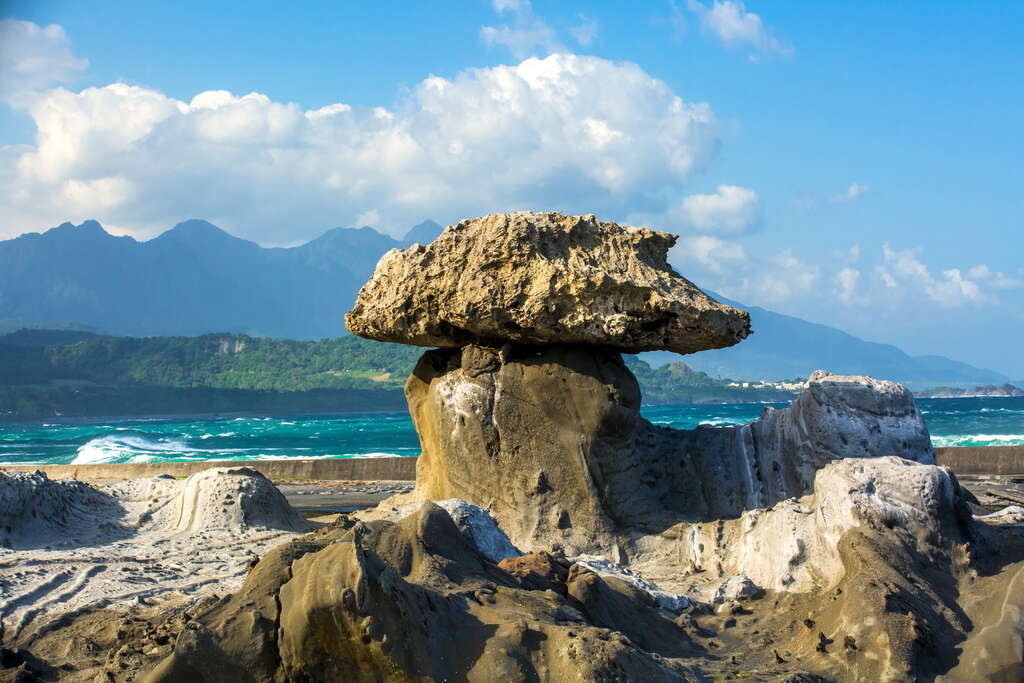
[982, 459]
[351, 469]
[1002, 460]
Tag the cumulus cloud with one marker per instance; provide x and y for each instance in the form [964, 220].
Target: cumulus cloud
[34, 57]
[852, 192]
[528, 34]
[727, 268]
[731, 210]
[585, 33]
[846, 286]
[994, 279]
[736, 28]
[565, 132]
[902, 270]
[710, 253]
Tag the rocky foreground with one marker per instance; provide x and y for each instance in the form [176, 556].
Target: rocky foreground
[554, 534]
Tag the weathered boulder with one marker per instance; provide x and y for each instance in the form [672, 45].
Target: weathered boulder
[541, 278]
[229, 498]
[413, 601]
[36, 511]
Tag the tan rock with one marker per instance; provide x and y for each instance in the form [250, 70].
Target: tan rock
[411, 601]
[551, 443]
[537, 571]
[540, 278]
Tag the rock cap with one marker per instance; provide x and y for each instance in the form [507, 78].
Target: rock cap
[542, 278]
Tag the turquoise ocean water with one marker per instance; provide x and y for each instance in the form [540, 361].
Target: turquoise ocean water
[952, 422]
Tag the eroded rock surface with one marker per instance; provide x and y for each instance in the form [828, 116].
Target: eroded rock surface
[541, 278]
[551, 442]
[411, 600]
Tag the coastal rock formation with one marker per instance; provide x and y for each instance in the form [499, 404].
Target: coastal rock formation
[592, 470]
[819, 541]
[230, 498]
[530, 413]
[36, 511]
[71, 547]
[542, 278]
[412, 600]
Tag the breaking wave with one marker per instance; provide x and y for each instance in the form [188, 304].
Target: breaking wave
[122, 448]
[978, 440]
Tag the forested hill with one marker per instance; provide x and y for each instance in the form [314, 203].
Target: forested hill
[196, 278]
[65, 372]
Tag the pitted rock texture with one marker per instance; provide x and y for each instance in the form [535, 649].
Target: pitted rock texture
[551, 442]
[413, 601]
[540, 278]
[230, 498]
[36, 511]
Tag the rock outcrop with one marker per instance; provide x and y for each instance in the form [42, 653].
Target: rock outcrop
[827, 523]
[230, 498]
[542, 278]
[584, 474]
[36, 511]
[413, 601]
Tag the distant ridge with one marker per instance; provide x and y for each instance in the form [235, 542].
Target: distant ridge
[783, 346]
[196, 278]
[424, 233]
[192, 279]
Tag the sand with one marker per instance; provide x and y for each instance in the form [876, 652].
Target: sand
[160, 541]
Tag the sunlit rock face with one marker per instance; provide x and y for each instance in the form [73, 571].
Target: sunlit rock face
[556, 534]
[550, 440]
[542, 278]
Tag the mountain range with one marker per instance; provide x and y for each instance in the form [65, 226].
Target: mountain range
[196, 278]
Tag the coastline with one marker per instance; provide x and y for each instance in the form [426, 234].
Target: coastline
[963, 460]
[155, 417]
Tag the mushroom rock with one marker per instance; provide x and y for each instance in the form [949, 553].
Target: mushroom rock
[833, 505]
[542, 278]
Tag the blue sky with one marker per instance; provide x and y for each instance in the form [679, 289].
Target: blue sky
[853, 164]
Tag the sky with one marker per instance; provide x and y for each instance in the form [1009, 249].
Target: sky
[853, 164]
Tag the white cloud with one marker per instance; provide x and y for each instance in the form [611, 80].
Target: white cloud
[586, 31]
[980, 272]
[529, 34]
[34, 57]
[568, 132]
[846, 286]
[852, 192]
[735, 27]
[708, 252]
[728, 269]
[995, 279]
[902, 270]
[371, 218]
[731, 210]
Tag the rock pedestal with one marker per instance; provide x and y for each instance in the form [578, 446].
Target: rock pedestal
[831, 507]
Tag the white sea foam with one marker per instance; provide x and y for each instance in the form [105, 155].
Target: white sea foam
[108, 449]
[978, 440]
[723, 422]
[220, 434]
[326, 456]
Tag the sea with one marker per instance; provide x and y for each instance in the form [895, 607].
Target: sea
[951, 422]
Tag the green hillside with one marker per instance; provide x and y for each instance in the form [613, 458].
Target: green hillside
[64, 372]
